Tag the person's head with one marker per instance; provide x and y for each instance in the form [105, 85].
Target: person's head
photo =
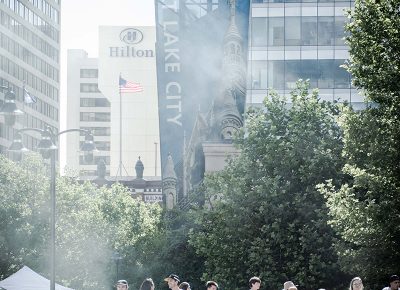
[254, 283]
[211, 285]
[122, 285]
[173, 281]
[185, 286]
[147, 284]
[394, 282]
[288, 284]
[356, 284]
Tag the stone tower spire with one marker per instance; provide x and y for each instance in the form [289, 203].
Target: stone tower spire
[229, 103]
[169, 182]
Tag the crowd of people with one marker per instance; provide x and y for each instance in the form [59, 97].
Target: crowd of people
[174, 283]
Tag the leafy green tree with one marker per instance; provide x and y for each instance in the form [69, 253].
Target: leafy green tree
[24, 214]
[364, 210]
[170, 252]
[91, 223]
[266, 215]
[374, 40]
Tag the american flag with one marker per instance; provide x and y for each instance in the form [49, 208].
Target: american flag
[129, 87]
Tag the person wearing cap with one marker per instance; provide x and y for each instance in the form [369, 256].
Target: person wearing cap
[254, 283]
[122, 285]
[173, 281]
[394, 283]
[211, 285]
[185, 286]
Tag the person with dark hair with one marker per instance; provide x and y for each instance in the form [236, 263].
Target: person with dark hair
[289, 285]
[394, 283]
[254, 283]
[185, 286]
[356, 284]
[147, 284]
[122, 285]
[211, 285]
[173, 281]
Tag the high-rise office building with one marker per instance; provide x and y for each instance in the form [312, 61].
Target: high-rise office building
[29, 58]
[299, 39]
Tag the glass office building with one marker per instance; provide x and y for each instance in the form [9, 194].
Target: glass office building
[29, 54]
[293, 39]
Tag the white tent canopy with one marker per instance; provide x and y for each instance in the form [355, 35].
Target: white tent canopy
[27, 279]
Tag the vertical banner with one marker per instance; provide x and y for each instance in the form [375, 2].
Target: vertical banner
[189, 50]
[170, 94]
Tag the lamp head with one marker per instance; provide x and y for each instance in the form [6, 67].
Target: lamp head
[46, 143]
[88, 145]
[17, 145]
[10, 107]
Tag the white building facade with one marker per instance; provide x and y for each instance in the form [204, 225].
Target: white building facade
[88, 109]
[126, 125]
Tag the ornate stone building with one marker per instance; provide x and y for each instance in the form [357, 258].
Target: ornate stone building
[148, 189]
[211, 139]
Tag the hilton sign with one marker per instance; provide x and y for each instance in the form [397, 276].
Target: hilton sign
[130, 36]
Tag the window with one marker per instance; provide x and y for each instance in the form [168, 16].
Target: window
[292, 31]
[89, 88]
[100, 145]
[276, 74]
[325, 80]
[326, 34]
[94, 161]
[309, 30]
[95, 117]
[339, 30]
[342, 77]
[95, 102]
[259, 31]
[275, 31]
[89, 73]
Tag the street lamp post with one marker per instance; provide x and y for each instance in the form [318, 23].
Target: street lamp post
[117, 258]
[48, 149]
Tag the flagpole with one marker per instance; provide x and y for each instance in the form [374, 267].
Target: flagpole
[120, 165]
[120, 133]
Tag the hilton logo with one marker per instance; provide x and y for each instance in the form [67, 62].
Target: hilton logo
[131, 36]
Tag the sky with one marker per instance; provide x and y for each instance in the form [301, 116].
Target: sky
[80, 20]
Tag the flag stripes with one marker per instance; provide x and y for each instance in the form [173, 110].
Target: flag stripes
[129, 87]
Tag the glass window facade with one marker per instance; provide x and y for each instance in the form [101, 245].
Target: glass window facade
[298, 39]
[283, 74]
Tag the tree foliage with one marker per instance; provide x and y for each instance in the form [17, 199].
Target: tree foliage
[374, 41]
[268, 218]
[365, 210]
[91, 223]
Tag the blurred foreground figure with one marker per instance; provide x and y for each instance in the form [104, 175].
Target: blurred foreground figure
[122, 285]
[394, 283]
[356, 284]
